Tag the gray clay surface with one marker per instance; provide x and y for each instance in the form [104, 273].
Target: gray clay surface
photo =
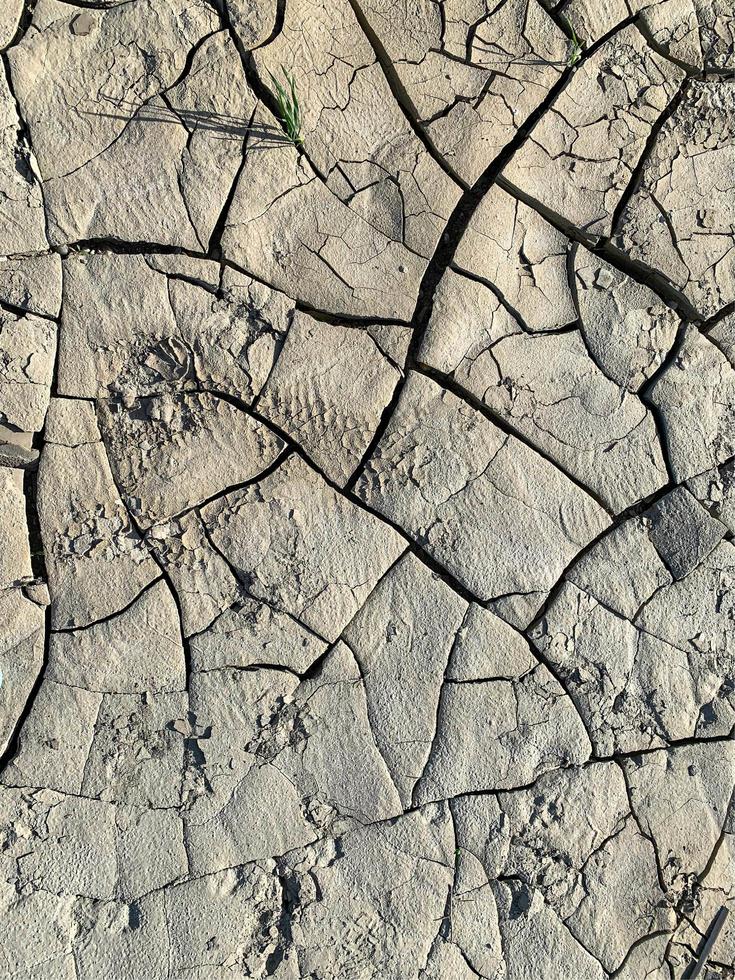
[367, 501]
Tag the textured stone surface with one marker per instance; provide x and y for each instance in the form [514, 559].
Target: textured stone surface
[355, 135]
[22, 220]
[204, 584]
[15, 552]
[473, 72]
[9, 20]
[695, 398]
[328, 391]
[288, 227]
[153, 324]
[137, 132]
[555, 876]
[32, 283]
[498, 516]
[171, 453]
[644, 646]
[367, 493]
[496, 734]
[21, 657]
[524, 258]
[290, 519]
[27, 352]
[679, 220]
[142, 649]
[699, 33]
[549, 390]
[402, 639]
[580, 158]
[626, 327]
[97, 562]
[251, 633]
[715, 489]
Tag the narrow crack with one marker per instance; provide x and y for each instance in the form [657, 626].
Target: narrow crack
[214, 248]
[637, 174]
[75, 630]
[448, 382]
[165, 575]
[24, 22]
[644, 393]
[14, 742]
[401, 96]
[602, 246]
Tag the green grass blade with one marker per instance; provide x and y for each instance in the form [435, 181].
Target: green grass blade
[289, 108]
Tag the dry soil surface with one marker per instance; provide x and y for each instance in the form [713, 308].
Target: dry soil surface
[367, 570]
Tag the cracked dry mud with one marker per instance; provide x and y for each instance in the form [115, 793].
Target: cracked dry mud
[367, 507]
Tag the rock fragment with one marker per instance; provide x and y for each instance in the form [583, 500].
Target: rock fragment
[9, 20]
[32, 284]
[497, 734]
[55, 739]
[252, 633]
[402, 639]
[15, 552]
[683, 533]
[511, 248]
[626, 326]
[205, 585]
[142, 649]
[22, 638]
[27, 353]
[147, 154]
[17, 457]
[22, 225]
[694, 395]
